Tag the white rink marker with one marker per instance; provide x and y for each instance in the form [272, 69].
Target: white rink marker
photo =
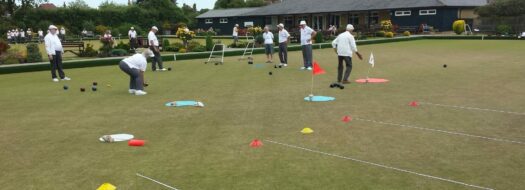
[380, 165]
[442, 131]
[158, 182]
[471, 108]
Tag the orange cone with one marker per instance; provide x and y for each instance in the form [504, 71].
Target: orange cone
[256, 143]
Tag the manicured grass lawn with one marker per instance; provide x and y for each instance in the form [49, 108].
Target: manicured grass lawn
[49, 136]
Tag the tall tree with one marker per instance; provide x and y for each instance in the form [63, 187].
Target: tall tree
[78, 4]
[224, 4]
[502, 8]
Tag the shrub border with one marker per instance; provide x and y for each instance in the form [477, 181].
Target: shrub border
[19, 68]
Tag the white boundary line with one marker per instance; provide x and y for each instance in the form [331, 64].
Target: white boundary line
[380, 165]
[443, 131]
[158, 182]
[472, 108]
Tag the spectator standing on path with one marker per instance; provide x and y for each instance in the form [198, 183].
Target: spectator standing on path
[132, 34]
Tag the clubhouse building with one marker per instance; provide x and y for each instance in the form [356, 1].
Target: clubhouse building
[365, 15]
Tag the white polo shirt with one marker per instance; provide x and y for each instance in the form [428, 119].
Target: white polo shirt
[345, 44]
[283, 36]
[40, 33]
[152, 37]
[137, 61]
[53, 44]
[235, 32]
[132, 34]
[268, 37]
[306, 34]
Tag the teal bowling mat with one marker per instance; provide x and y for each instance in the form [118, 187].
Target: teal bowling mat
[184, 103]
[319, 98]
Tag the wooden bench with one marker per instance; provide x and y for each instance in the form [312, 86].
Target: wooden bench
[79, 45]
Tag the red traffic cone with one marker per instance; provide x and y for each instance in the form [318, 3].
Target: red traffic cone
[347, 119]
[256, 143]
[414, 104]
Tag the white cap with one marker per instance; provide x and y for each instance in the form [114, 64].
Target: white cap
[154, 28]
[52, 27]
[132, 28]
[302, 22]
[236, 24]
[349, 27]
[280, 25]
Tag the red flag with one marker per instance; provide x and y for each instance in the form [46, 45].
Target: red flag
[414, 104]
[317, 69]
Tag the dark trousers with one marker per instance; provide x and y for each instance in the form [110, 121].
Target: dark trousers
[135, 81]
[340, 69]
[56, 64]
[156, 60]
[133, 43]
[307, 55]
[283, 52]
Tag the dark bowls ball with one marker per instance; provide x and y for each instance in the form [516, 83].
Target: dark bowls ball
[95, 83]
[82, 89]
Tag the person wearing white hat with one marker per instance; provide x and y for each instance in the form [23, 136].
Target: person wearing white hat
[54, 51]
[284, 36]
[307, 34]
[132, 34]
[135, 66]
[235, 34]
[345, 46]
[63, 33]
[154, 46]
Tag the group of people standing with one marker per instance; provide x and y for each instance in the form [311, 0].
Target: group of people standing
[19, 36]
[344, 45]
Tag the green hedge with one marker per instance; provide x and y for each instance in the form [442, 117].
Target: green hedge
[203, 55]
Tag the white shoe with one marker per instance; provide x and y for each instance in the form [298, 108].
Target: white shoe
[66, 78]
[132, 91]
[140, 93]
[303, 68]
[55, 80]
[200, 104]
[286, 65]
[163, 69]
[309, 68]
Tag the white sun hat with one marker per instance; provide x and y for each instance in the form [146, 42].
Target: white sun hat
[154, 28]
[349, 27]
[302, 22]
[52, 27]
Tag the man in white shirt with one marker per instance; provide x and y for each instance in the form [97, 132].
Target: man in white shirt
[40, 35]
[54, 51]
[235, 34]
[9, 36]
[29, 34]
[307, 34]
[154, 46]
[345, 46]
[284, 37]
[63, 34]
[135, 66]
[17, 36]
[22, 36]
[132, 34]
[268, 44]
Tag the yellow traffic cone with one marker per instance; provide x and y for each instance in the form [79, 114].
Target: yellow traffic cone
[107, 186]
[307, 131]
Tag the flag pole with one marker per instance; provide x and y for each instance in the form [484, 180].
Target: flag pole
[312, 89]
